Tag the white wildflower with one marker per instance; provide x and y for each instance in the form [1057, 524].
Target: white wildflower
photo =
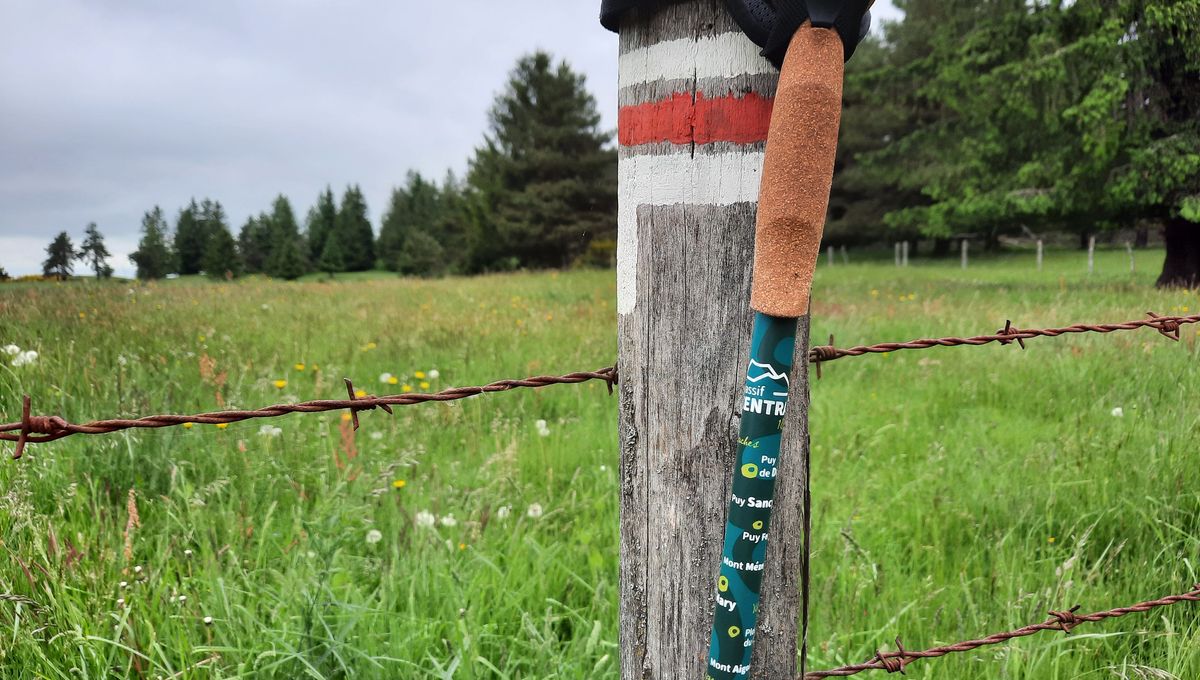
[124, 584]
[425, 518]
[385, 378]
[449, 521]
[433, 374]
[376, 435]
[25, 358]
[208, 620]
[122, 360]
[137, 569]
[374, 536]
[1118, 412]
[542, 429]
[182, 599]
[534, 510]
[604, 468]
[12, 350]
[270, 431]
[504, 512]
[187, 553]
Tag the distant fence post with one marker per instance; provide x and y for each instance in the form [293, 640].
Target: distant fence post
[685, 244]
[1039, 259]
[965, 246]
[1129, 249]
[904, 254]
[1091, 254]
[830, 256]
[897, 253]
[845, 255]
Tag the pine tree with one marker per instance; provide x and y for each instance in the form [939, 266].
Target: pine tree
[450, 228]
[545, 176]
[287, 260]
[320, 223]
[415, 207]
[153, 257]
[332, 260]
[354, 230]
[61, 256]
[94, 252]
[190, 239]
[4, 275]
[254, 243]
[221, 259]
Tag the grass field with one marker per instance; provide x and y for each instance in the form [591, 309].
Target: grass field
[956, 492]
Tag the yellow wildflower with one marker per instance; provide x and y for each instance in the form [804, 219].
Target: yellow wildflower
[83, 315]
[406, 388]
[419, 375]
[1050, 540]
[280, 384]
[187, 426]
[424, 385]
[222, 426]
[462, 546]
[346, 417]
[200, 338]
[399, 484]
[393, 380]
[360, 393]
[299, 366]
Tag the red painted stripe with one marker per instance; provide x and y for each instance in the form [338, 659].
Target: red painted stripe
[680, 120]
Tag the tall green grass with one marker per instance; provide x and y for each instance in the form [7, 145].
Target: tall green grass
[956, 492]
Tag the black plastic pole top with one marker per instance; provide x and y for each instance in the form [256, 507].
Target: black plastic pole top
[772, 23]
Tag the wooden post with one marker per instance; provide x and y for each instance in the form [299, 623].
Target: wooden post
[1091, 254]
[897, 253]
[904, 254]
[1039, 259]
[1129, 249]
[845, 255]
[829, 253]
[965, 247]
[687, 197]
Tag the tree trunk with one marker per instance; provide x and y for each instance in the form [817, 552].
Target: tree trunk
[694, 99]
[1141, 237]
[1181, 268]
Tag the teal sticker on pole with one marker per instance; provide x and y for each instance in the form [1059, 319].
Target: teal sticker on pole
[763, 404]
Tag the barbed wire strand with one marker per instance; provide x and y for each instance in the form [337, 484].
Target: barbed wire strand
[39, 429]
[1066, 621]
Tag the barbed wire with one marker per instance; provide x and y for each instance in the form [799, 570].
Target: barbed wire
[1166, 325]
[39, 429]
[1066, 621]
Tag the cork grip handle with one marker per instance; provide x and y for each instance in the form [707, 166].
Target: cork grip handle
[797, 173]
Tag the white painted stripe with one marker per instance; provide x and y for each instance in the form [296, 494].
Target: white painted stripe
[720, 56]
[704, 179]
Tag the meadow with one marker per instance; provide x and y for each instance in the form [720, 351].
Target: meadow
[956, 491]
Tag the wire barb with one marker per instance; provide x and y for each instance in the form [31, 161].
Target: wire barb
[894, 662]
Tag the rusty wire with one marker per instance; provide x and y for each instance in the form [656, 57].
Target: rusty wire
[37, 429]
[1166, 325]
[1066, 621]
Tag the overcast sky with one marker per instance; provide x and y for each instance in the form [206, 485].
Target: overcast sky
[109, 108]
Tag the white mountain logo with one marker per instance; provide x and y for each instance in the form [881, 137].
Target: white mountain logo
[766, 371]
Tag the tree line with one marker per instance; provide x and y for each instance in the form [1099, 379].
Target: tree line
[1007, 117]
[539, 192]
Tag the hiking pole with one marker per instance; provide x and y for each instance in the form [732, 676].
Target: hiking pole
[793, 199]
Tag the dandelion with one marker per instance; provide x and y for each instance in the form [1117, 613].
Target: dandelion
[406, 388]
[25, 358]
[1118, 412]
[374, 536]
[270, 431]
[187, 426]
[449, 521]
[393, 380]
[424, 385]
[83, 315]
[534, 511]
[425, 518]
[462, 546]
[504, 512]
[298, 367]
[346, 417]
[385, 378]
[360, 393]
[542, 428]
[369, 346]
[433, 374]
[280, 384]
[1050, 539]
[399, 483]
[11, 350]
[222, 426]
